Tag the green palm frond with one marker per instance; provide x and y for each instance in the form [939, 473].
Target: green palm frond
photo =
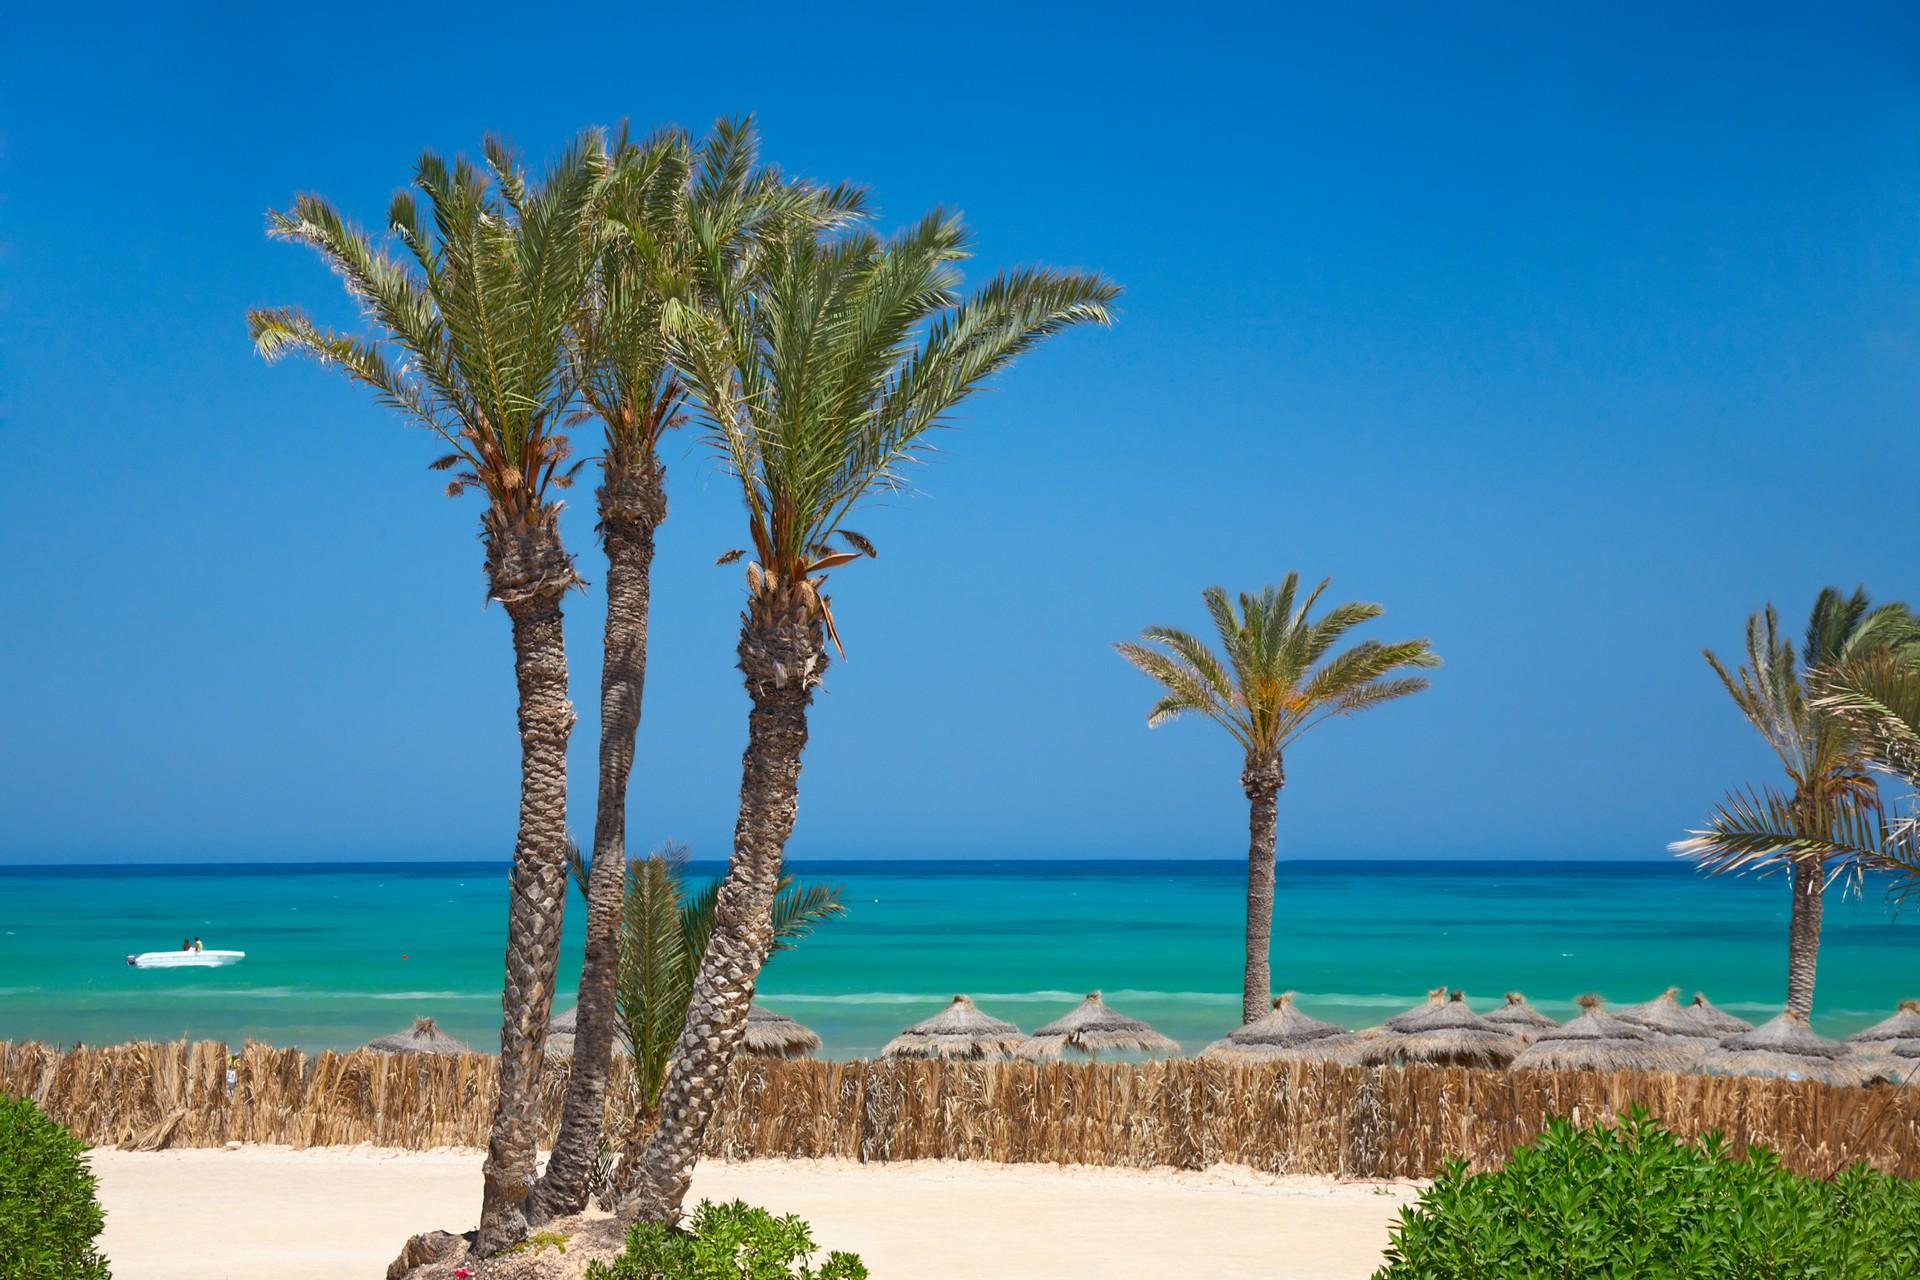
[676, 218]
[696, 919]
[798, 907]
[1825, 750]
[821, 364]
[655, 981]
[1878, 698]
[466, 328]
[1764, 830]
[663, 935]
[1276, 674]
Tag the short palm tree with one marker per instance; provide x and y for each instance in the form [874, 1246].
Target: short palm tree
[664, 927]
[819, 375]
[666, 204]
[468, 340]
[1828, 766]
[1279, 677]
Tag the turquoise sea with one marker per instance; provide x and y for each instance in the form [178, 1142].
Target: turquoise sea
[338, 954]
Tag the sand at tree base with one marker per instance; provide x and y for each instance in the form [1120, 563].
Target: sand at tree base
[342, 1213]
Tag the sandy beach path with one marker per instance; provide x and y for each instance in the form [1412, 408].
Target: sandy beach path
[342, 1213]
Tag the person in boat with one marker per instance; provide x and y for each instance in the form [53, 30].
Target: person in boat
[197, 946]
[186, 944]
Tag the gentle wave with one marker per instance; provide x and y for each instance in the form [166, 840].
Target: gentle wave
[18, 991]
[1002, 997]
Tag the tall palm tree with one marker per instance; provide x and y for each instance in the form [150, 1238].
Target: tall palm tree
[1279, 678]
[468, 340]
[666, 203]
[819, 375]
[1828, 767]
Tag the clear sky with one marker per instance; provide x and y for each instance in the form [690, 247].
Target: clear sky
[1571, 333]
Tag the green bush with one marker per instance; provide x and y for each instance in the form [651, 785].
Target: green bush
[1633, 1200]
[726, 1242]
[48, 1215]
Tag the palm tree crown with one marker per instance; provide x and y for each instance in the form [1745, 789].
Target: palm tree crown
[1822, 759]
[469, 323]
[1833, 801]
[1279, 676]
[676, 215]
[822, 368]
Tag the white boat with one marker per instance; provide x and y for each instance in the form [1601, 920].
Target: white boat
[185, 959]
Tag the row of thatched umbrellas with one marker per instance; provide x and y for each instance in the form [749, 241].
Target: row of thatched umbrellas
[1660, 1034]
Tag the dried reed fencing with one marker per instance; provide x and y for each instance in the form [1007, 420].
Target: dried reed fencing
[1282, 1117]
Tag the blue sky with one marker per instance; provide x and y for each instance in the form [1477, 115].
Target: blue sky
[1572, 336]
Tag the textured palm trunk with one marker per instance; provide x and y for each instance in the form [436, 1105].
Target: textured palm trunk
[783, 656]
[1803, 935]
[1261, 780]
[529, 573]
[632, 505]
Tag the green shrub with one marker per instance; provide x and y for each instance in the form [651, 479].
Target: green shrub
[1633, 1200]
[48, 1215]
[726, 1242]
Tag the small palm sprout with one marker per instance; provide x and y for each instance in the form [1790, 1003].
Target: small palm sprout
[1279, 677]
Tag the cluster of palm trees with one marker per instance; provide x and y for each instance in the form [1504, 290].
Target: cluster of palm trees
[643, 282]
[1841, 709]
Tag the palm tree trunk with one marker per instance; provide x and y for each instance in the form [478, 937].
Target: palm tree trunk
[1803, 935]
[530, 573]
[1261, 780]
[632, 505]
[783, 655]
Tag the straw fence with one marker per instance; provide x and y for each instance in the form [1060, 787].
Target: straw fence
[1283, 1117]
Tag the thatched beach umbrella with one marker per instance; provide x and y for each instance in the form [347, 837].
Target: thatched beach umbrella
[1664, 1016]
[424, 1036]
[1436, 996]
[1787, 1046]
[1904, 1025]
[1716, 1020]
[957, 1031]
[1447, 1033]
[1518, 1018]
[1092, 1028]
[1286, 1034]
[775, 1035]
[1598, 1041]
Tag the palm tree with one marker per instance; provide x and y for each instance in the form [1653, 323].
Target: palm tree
[468, 340]
[665, 204]
[819, 375]
[1877, 697]
[664, 928]
[1279, 678]
[1827, 765]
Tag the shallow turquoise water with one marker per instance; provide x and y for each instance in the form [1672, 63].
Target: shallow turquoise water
[339, 954]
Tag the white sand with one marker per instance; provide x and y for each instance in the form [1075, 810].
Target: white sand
[342, 1214]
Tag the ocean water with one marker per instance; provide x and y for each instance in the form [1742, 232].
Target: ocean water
[338, 954]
